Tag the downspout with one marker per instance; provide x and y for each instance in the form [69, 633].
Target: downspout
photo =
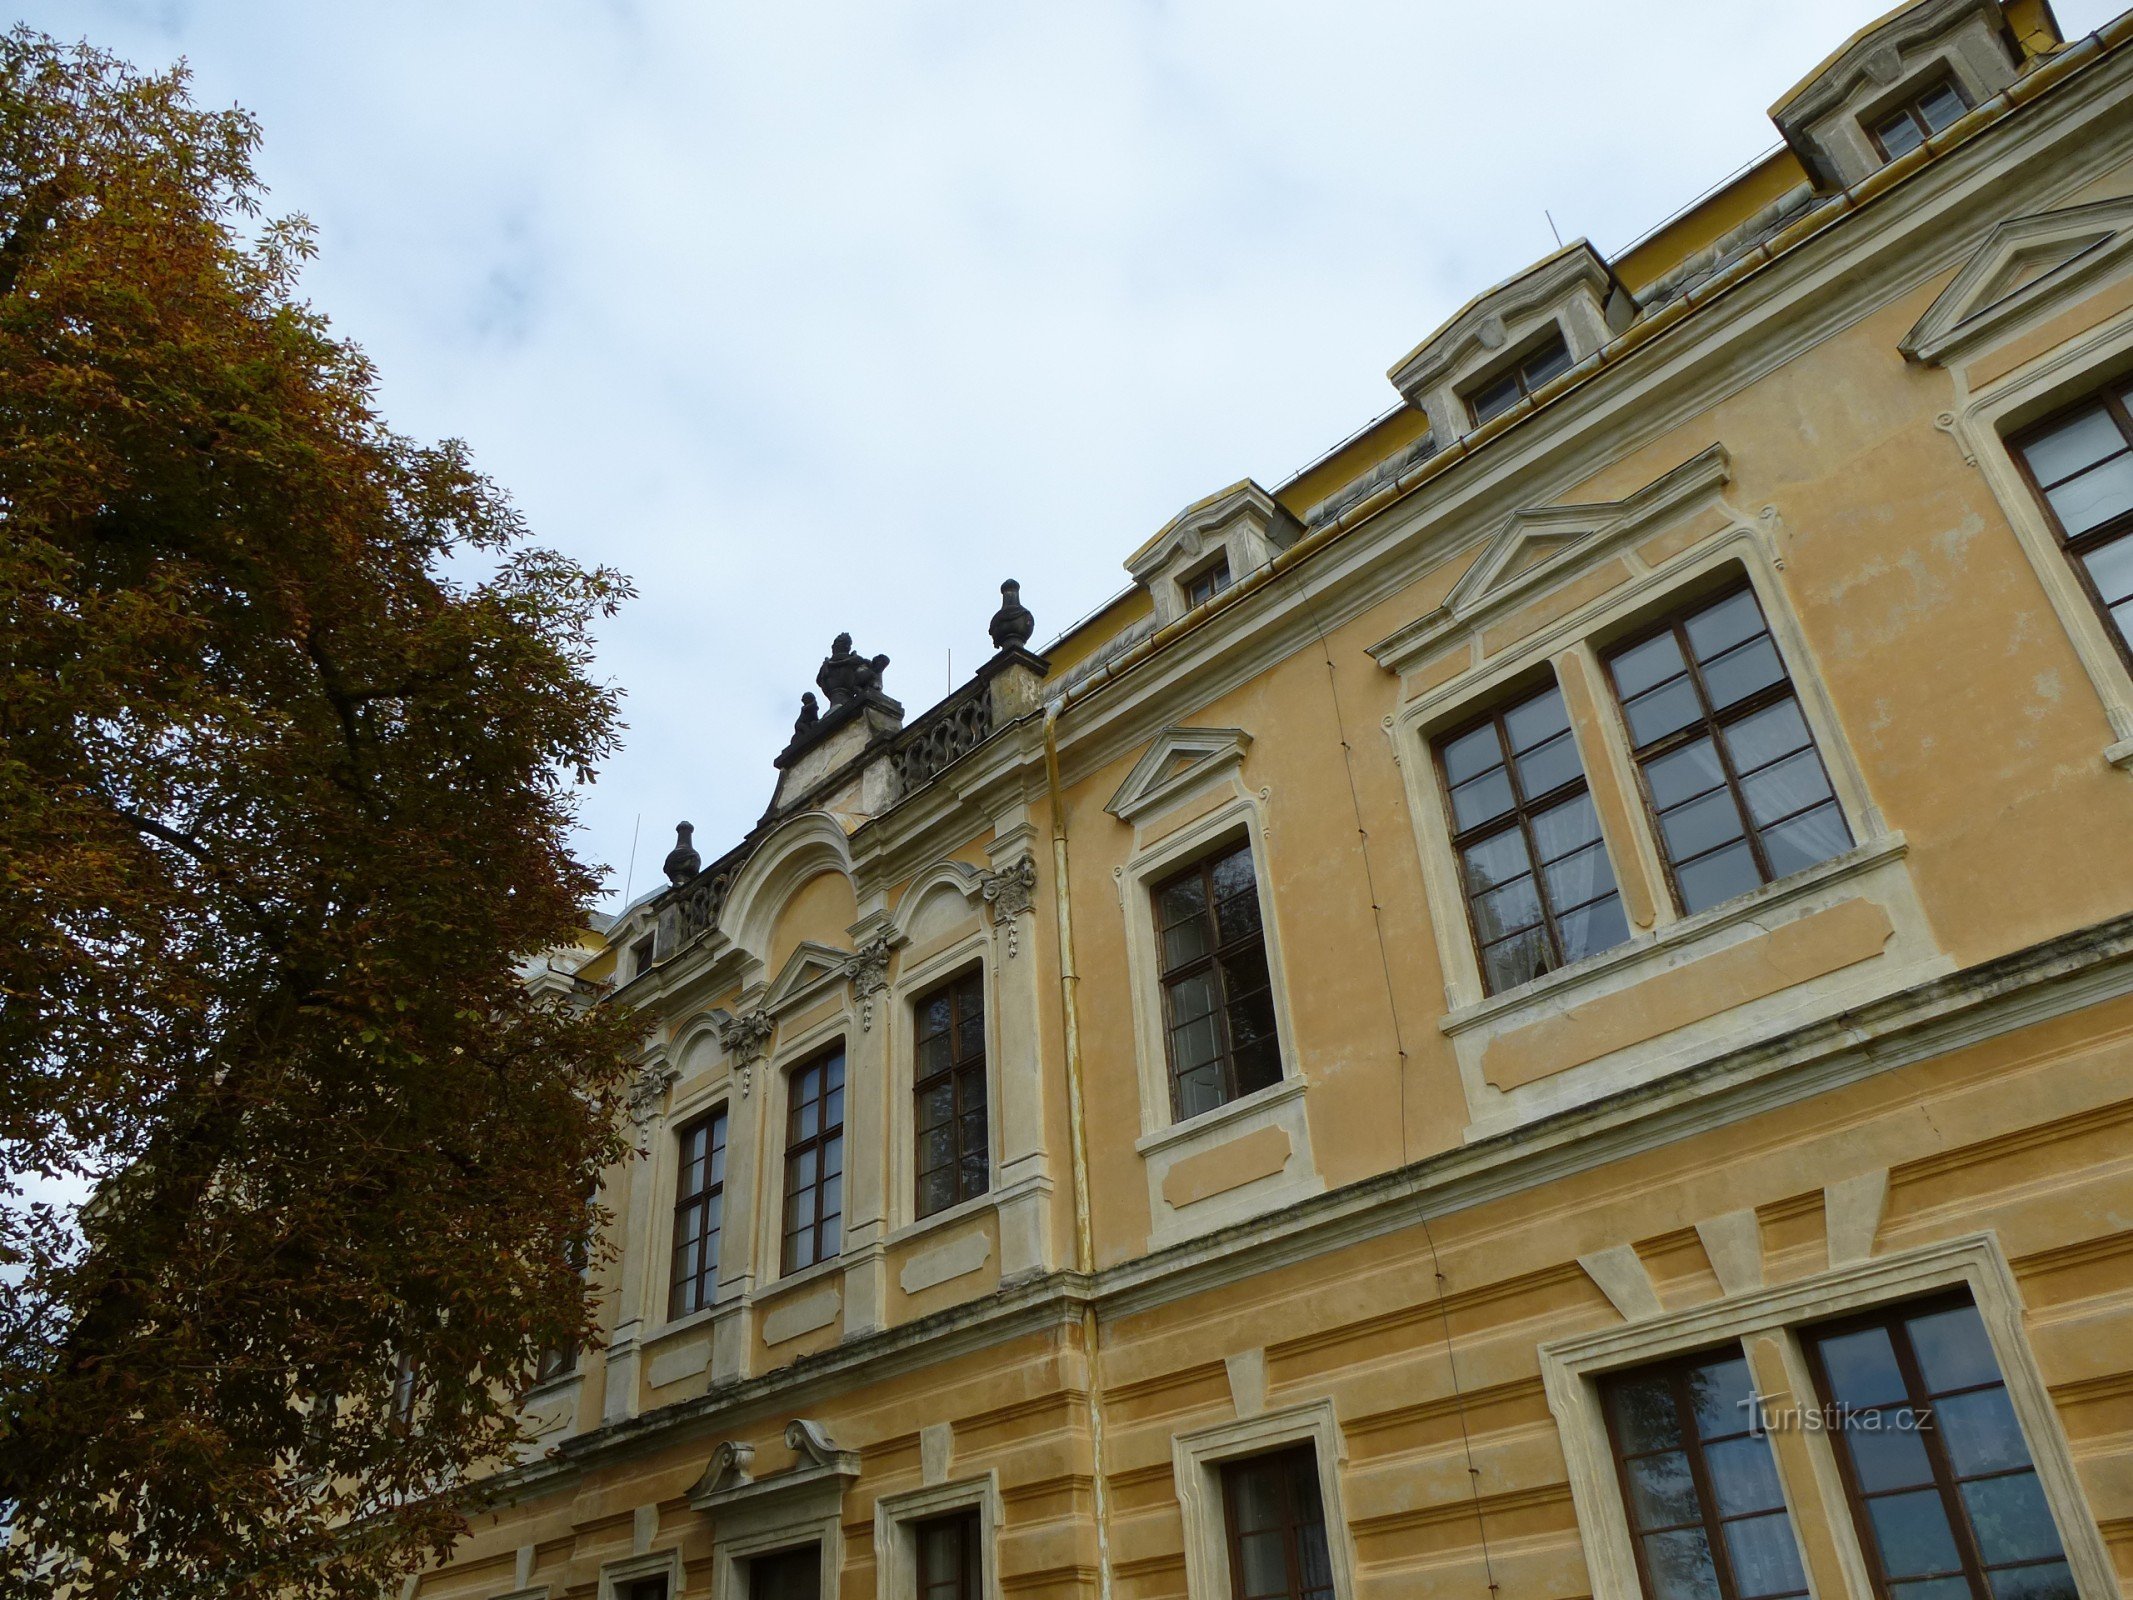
[1078, 1141]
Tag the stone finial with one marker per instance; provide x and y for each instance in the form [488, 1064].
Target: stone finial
[1012, 624]
[682, 863]
[846, 675]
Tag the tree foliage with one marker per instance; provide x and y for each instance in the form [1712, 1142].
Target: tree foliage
[291, 717]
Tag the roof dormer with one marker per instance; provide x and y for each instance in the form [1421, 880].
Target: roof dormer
[1210, 545]
[1507, 343]
[1894, 84]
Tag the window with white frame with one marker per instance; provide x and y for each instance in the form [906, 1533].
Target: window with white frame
[1260, 1498]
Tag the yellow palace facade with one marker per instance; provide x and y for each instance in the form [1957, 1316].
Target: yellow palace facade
[1544, 1010]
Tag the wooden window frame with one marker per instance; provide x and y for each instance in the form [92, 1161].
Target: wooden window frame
[1711, 724]
[1167, 977]
[968, 1580]
[1216, 575]
[1946, 1482]
[1676, 1369]
[2112, 397]
[958, 1073]
[686, 1202]
[1300, 1457]
[1517, 371]
[797, 1145]
[1908, 110]
[1520, 816]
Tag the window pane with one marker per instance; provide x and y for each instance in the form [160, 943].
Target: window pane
[1200, 1089]
[1701, 825]
[1722, 1394]
[1953, 1351]
[1862, 1368]
[2111, 570]
[2051, 1581]
[1265, 1563]
[1691, 770]
[1496, 398]
[1479, 799]
[2008, 1516]
[1716, 629]
[1549, 766]
[1717, 877]
[1545, 363]
[2094, 497]
[1785, 787]
[1192, 997]
[1798, 844]
[1680, 1566]
[1563, 828]
[1662, 1490]
[1940, 105]
[1645, 1415]
[1578, 879]
[1238, 916]
[1900, 135]
[1518, 959]
[1472, 754]
[1496, 859]
[1932, 1589]
[1535, 721]
[1767, 735]
[1885, 1449]
[1979, 1432]
[1503, 911]
[1642, 666]
[1913, 1535]
[1591, 929]
[2080, 441]
[1765, 1559]
[1660, 712]
[1743, 1475]
[1735, 676]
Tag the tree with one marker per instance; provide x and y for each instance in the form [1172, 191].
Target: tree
[291, 720]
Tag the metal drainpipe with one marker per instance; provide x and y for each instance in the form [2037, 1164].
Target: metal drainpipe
[1078, 1140]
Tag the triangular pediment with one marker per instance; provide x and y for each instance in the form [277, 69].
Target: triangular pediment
[1537, 547]
[1177, 762]
[810, 969]
[2026, 265]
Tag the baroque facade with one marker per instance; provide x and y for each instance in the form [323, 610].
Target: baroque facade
[1542, 1010]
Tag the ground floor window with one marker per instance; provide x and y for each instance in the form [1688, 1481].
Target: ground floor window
[1276, 1526]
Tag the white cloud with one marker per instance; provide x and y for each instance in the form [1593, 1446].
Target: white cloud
[816, 316]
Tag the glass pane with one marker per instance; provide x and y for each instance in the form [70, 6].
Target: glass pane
[1886, 1450]
[1798, 844]
[2111, 570]
[1255, 1499]
[1862, 1369]
[1766, 1560]
[1657, 714]
[1244, 971]
[1496, 859]
[1537, 720]
[1233, 874]
[1940, 106]
[931, 1056]
[1679, 1565]
[1265, 1563]
[1256, 1065]
[2080, 441]
[1662, 1490]
[1252, 1017]
[933, 1015]
[1497, 398]
[936, 1148]
[806, 1119]
[1700, 825]
[2008, 1516]
[1717, 629]
[1195, 1044]
[1549, 766]
[1785, 787]
[1191, 997]
[1199, 1090]
[1187, 941]
[2094, 497]
[1481, 798]
[1640, 667]
[1181, 901]
[970, 1000]
[1689, 771]
[1900, 135]
[1501, 911]
[1238, 917]
[2051, 1581]
[1743, 1475]
[1717, 877]
[1580, 878]
[1762, 737]
[1645, 1418]
[1516, 960]
[1590, 929]
[1979, 1432]
[800, 1171]
[833, 1108]
[936, 1190]
[936, 1105]
[1545, 363]
[832, 1240]
[1738, 675]
[1722, 1393]
[1912, 1532]
[1932, 1589]
[1566, 827]
[1952, 1350]
[1471, 754]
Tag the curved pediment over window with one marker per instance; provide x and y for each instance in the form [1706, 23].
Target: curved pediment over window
[1506, 343]
[1894, 84]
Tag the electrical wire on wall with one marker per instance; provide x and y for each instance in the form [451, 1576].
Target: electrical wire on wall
[1399, 1044]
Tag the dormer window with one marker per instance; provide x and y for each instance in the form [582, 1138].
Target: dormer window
[641, 955]
[1501, 393]
[1919, 118]
[1208, 582]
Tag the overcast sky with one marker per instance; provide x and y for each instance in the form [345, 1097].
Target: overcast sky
[815, 317]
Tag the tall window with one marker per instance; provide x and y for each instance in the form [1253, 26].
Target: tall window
[1208, 582]
[1941, 1483]
[1218, 1000]
[2081, 465]
[1540, 891]
[814, 1161]
[948, 1120]
[1729, 765]
[949, 1561]
[1705, 1512]
[699, 1212]
[1276, 1523]
[1499, 395]
[1918, 119]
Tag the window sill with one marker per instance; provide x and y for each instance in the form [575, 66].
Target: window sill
[549, 1388]
[946, 1217]
[799, 1278]
[1742, 908]
[1210, 1122]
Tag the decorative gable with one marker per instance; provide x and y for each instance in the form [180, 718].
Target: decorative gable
[1538, 546]
[1827, 117]
[1178, 762]
[1242, 526]
[2025, 265]
[807, 973]
[1572, 293]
